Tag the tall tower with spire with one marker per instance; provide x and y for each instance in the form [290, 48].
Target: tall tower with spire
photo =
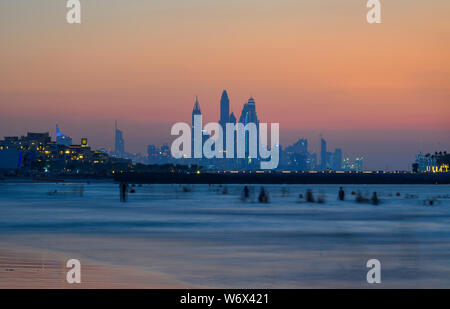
[224, 109]
[196, 110]
[225, 116]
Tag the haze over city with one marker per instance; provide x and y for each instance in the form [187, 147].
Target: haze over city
[380, 91]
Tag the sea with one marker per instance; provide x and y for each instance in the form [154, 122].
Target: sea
[211, 235]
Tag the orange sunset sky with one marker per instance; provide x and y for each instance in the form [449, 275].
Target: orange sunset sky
[314, 66]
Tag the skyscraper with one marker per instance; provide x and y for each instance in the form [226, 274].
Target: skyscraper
[225, 115]
[196, 110]
[297, 157]
[337, 159]
[119, 147]
[359, 164]
[224, 109]
[232, 118]
[323, 155]
[301, 146]
[249, 114]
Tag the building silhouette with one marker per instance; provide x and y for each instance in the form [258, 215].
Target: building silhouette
[233, 118]
[248, 114]
[337, 160]
[224, 115]
[355, 166]
[224, 109]
[196, 110]
[297, 157]
[330, 160]
[439, 162]
[37, 153]
[359, 164]
[119, 145]
[323, 154]
[62, 139]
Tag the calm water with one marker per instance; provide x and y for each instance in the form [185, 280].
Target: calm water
[209, 236]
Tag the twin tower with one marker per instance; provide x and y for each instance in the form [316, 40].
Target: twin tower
[248, 114]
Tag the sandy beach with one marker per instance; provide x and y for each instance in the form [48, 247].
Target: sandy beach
[30, 269]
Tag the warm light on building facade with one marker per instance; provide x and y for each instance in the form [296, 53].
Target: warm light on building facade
[438, 169]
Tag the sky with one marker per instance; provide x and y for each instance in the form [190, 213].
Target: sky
[381, 91]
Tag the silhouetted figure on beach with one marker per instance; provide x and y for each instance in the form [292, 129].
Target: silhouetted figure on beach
[263, 197]
[123, 191]
[321, 198]
[430, 202]
[187, 189]
[309, 196]
[225, 190]
[246, 193]
[360, 198]
[341, 194]
[375, 199]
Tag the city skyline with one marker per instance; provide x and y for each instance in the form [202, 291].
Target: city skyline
[290, 159]
[378, 91]
[385, 162]
[314, 138]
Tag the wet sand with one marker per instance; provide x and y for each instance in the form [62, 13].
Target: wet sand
[39, 262]
[30, 268]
